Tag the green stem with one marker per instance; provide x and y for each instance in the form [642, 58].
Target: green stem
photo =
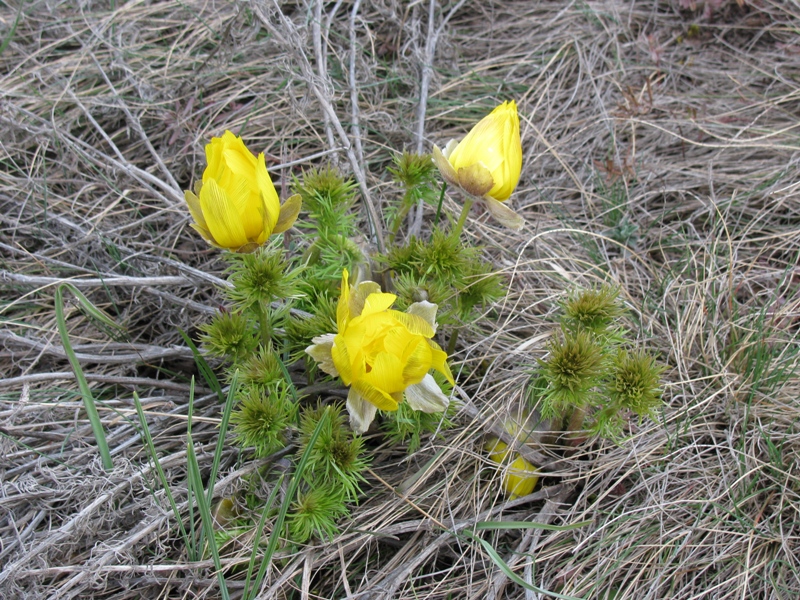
[462, 219]
[263, 324]
[439, 206]
[398, 220]
[451, 345]
[573, 432]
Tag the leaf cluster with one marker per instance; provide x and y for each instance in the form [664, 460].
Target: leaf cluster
[588, 366]
[444, 271]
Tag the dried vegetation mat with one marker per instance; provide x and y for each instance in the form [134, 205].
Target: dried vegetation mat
[661, 152]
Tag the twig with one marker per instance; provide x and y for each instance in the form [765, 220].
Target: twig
[386, 589]
[319, 87]
[319, 55]
[142, 352]
[354, 127]
[425, 80]
[115, 281]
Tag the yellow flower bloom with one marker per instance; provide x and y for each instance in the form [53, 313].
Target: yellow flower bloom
[236, 206]
[520, 477]
[384, 355]
[487, 163]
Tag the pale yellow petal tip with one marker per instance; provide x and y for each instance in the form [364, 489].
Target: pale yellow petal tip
[288, 215]
[503, 214]
[427, 396]
[362, 412]
[445, 168]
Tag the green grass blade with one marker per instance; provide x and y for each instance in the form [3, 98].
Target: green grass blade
[194, 548]
[293, 485]
[86, 392]
[205, 370]
[203, 507]
[223, 430]
[503, 566]
[267, 507]
[151, 449]
[11, 31]
[527, 525]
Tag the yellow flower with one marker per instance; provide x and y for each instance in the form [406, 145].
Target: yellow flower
[520, 477]
[487, 163]
[236, 206]
[384, 355]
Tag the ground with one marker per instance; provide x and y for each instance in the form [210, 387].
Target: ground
[661, 153]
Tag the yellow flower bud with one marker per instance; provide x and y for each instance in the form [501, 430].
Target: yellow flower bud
[520, 477]
[487, 163]
[236, 206]
[384, 355]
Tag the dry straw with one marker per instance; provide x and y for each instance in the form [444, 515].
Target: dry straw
[661, 153]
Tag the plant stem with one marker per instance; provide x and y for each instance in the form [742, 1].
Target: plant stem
[574, 436]
[451, 345]
[439, 206]
[263, 324]
[462, 219]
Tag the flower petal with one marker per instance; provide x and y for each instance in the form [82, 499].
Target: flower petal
[426, 396]
[288, 214]
[449, 174]
[320, 351]
[221, 216]
[415, 323]
[503, 214]
[448, 150]
[426, 310]
[439, 361]
[268, 197]
[193, 202]
[343, 314]
[475, 179]
[341, 359]
[417, 361]
[386, 374]
[377, 397]
[361, 292]
[362, 412]
[376, 303]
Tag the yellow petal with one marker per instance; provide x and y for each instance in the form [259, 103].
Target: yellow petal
[496, 448]
[360, 294]
[221, 217]
[205, 234]
[376, 303]
[343, 307]
[520, 479]
[237, 157]
[267, 196]
[495, 144]
[439, 361]
[414, 323]
[193, 202]
[341, 359]
[417, 360]
[375, 396]
[288, 214]
[386, 374]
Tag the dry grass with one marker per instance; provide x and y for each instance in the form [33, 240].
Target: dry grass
[661, 152]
